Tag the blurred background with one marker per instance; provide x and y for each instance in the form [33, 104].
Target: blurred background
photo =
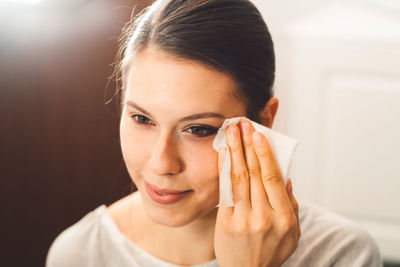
[59, 144]
[337, 80]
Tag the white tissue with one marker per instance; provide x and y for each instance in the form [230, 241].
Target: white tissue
[281, 145]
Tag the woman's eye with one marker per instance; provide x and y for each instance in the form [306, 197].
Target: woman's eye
[201, 131]
[141, 119]
[198, 131]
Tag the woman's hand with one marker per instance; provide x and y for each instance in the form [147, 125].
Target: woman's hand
[262, 228]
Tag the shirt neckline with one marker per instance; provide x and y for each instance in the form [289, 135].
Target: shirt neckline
[111, 224]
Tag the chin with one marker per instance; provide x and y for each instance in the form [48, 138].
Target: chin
[169, 218]
[177, 217]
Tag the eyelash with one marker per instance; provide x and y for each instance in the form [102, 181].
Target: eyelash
[211, 130]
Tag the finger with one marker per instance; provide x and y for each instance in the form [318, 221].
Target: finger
[221, 158]
[258, 196]
[271, 175]
[295, 204]
[223, 212]
[239, 175]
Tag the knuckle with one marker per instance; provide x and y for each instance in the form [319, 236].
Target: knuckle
[240, 229]
[240, 176]
[287, 225]
[295, 203]
[258, 228]
[272, 178]
[248, 145]
[296, 207]
[261, 224]
[254, 172]
[261, 227]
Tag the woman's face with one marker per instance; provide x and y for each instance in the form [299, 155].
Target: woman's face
[172, 110]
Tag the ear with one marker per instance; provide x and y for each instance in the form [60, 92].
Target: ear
[267, 115]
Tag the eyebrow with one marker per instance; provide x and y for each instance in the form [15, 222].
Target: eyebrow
[187, 118]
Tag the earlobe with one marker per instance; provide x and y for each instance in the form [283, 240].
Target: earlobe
[269, 112]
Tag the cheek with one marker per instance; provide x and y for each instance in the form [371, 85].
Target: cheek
[204, 176]
[134, 146]
[202, 162]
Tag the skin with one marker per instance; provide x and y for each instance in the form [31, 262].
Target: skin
[160, 149]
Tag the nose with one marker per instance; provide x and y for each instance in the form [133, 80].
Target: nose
[165, 158]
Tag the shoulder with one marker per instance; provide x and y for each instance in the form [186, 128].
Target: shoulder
[97, 239]
[71, 246]
[329, 239]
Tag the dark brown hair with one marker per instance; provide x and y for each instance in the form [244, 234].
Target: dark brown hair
[229, 36]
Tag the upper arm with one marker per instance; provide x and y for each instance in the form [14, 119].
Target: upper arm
[58, 253]
[357, 248]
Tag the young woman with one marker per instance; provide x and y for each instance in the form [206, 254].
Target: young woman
[186, 67]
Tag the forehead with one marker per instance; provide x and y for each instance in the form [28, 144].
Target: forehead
[156, 80]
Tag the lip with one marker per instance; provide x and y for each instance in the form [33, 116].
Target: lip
[171, 196]
[165, 190]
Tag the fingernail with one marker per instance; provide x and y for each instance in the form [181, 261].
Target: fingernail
[232, 130]
[257, 138]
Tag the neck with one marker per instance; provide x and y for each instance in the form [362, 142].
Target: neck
[190, 244]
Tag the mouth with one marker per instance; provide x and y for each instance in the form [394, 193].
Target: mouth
[166, 191]
[165, 195]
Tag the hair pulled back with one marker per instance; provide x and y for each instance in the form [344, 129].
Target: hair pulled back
[229, 36]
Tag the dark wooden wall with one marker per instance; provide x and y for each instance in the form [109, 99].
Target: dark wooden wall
[59, 145]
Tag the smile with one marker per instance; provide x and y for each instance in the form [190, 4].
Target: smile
[165, 196]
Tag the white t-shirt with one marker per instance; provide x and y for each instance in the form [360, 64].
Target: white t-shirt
[327, 240]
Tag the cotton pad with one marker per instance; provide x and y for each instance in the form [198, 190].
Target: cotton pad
[281, 145]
